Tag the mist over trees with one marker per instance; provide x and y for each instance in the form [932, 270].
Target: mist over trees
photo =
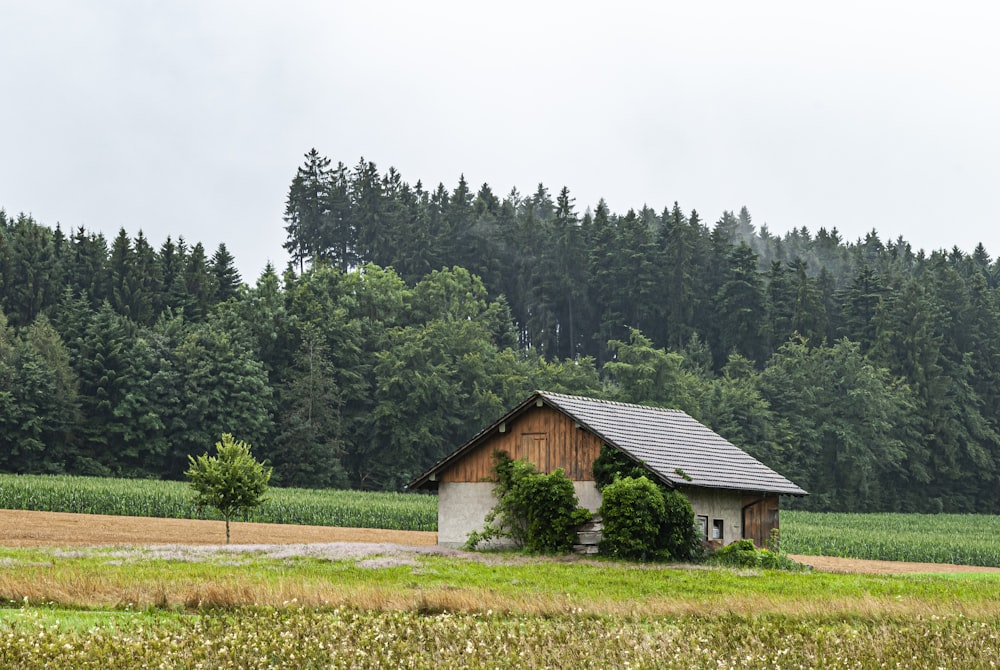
[409, 318]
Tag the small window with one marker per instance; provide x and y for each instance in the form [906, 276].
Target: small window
[703, 526]
[716, 529]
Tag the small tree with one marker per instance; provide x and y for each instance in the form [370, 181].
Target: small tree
[232, 481]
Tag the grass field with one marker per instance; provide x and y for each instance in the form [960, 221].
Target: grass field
[116, 608]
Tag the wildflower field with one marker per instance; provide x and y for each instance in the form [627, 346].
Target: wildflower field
[348, 638]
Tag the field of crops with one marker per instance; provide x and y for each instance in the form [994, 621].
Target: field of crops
[142, 497]
[963, 539]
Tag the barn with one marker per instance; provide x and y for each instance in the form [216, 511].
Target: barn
[734, 495]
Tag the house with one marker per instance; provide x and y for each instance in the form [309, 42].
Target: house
[734, 495]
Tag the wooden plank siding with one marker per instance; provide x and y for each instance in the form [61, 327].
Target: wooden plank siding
[760, 517]
[544, 436]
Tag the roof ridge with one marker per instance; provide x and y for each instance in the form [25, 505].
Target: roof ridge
[611, 402]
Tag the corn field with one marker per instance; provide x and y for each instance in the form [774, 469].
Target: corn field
[167, 499]
[962, 539]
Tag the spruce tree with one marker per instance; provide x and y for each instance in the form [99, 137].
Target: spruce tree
[227, 277]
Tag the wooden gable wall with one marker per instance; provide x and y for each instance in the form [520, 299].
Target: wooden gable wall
[542, 435]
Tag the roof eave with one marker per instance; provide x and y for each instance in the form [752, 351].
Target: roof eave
[795, 491]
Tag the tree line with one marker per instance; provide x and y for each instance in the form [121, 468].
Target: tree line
[409, 318]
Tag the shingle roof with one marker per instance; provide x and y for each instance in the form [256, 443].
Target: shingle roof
[670, 442]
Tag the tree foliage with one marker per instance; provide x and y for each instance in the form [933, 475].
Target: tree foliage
[865, 370]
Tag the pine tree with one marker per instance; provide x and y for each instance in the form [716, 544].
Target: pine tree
[227, 277]
[89, 271]
[199, 284]
[570, 269]
[307, 447]
[148, 280]
[809, 319]
[102, 360]
[739, 308]
[861, 301]
[677, 277]
[28, 283]
[173, 261]
[307, 209]
[781, 299]
[126, 294]
[365, 193]
[604, 291]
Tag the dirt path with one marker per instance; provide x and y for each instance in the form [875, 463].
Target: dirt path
[858, 566]
[55, 529]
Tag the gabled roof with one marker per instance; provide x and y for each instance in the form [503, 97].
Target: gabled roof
[678, 449]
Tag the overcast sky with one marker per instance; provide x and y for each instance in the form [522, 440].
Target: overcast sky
[189, 118]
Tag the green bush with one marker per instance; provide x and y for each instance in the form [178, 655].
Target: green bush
[612, 464]
[676, 535]
[743, 554]
[535, 511]
[633, 513]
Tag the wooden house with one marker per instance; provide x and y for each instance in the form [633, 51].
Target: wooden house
[734, 495]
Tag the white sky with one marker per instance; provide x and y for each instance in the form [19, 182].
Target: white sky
[190, 117]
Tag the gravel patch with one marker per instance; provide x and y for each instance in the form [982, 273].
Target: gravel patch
[367, 554]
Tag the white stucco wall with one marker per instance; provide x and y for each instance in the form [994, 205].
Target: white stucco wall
[588, 495]
[719, 504]
[463, 506]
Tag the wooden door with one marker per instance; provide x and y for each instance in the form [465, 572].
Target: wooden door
[760, 518]
[535, 447]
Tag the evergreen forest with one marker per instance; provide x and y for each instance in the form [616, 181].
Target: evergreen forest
[409, 318]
